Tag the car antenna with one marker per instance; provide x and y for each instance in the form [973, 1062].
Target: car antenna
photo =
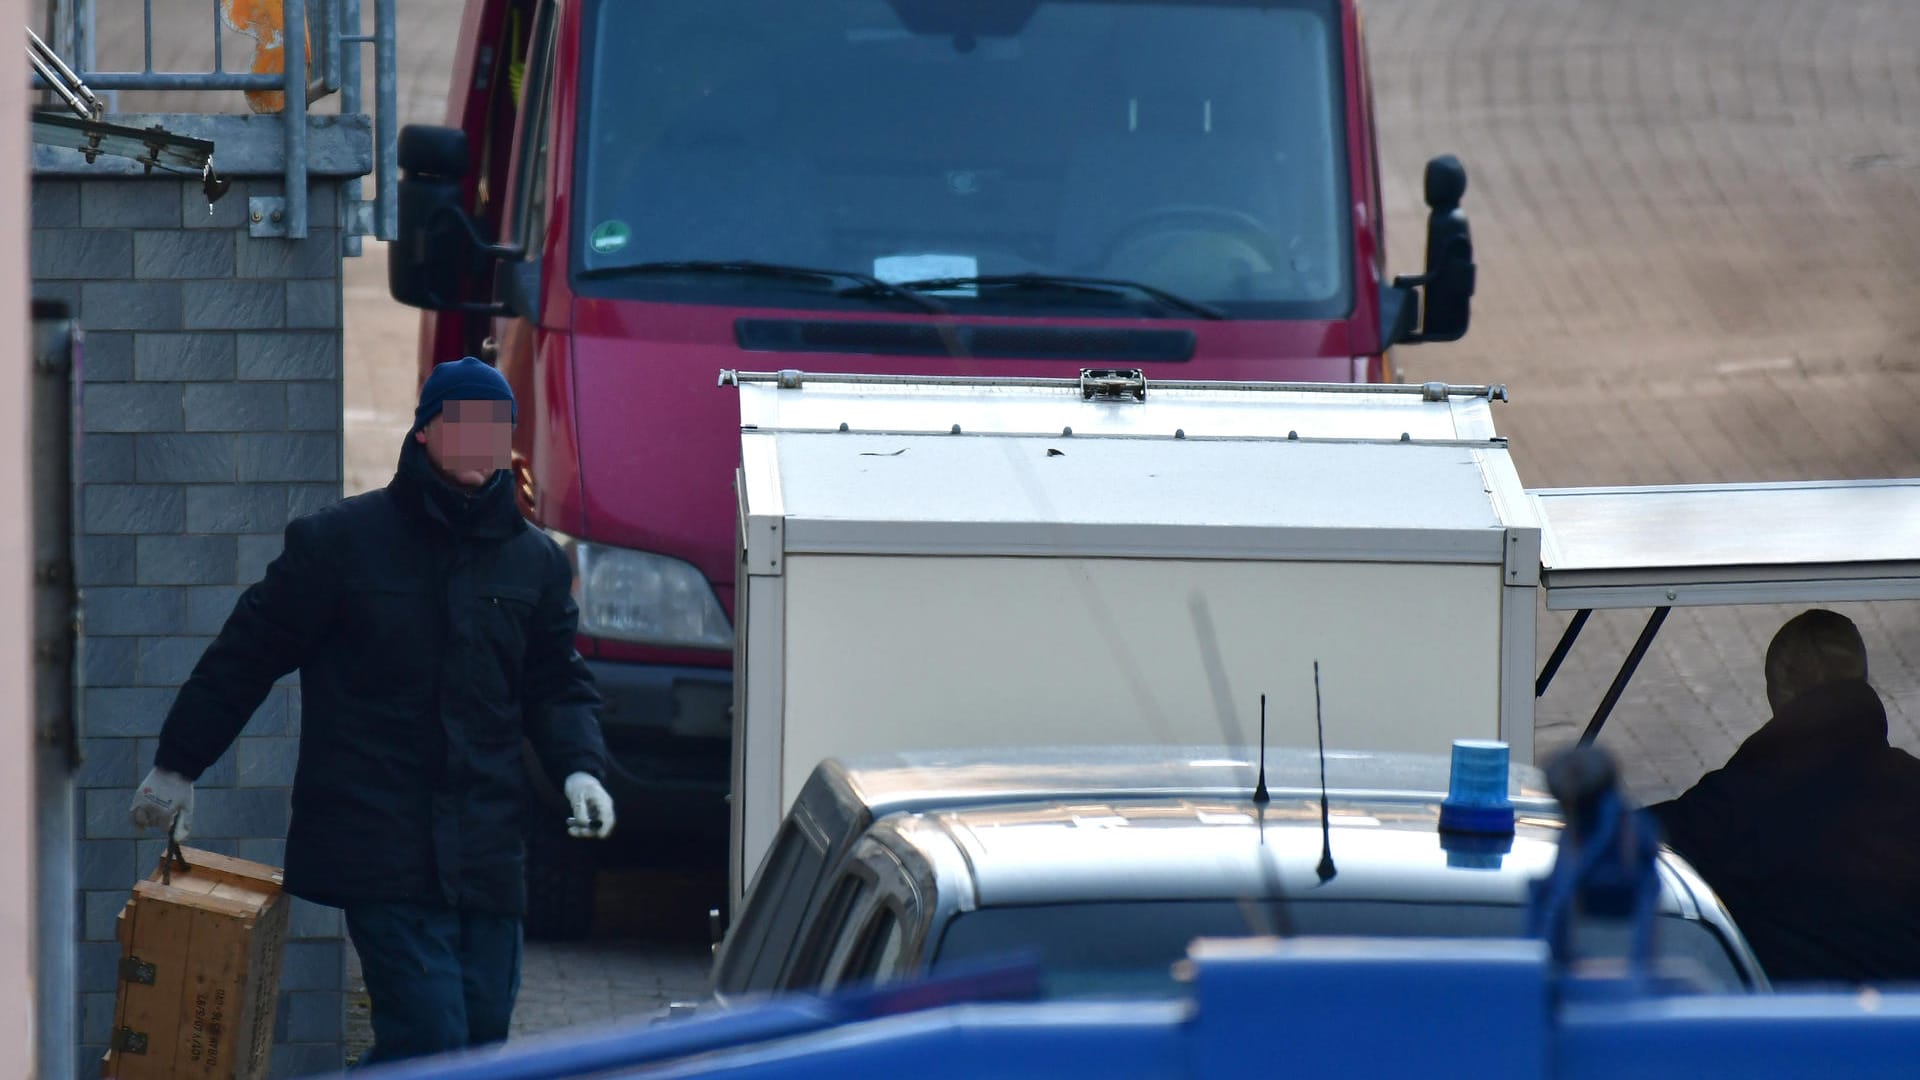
[1260, 796]
[1325, 870]
[1263, 920]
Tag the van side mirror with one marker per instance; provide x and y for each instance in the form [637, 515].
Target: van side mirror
[1437, 305]
[437, 249]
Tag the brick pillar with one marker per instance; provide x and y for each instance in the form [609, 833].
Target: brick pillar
[211, 416]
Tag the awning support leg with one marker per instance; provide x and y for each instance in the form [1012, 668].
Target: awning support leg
[1627, 668]
[1561, 650]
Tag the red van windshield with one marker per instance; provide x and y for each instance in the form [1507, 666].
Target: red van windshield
[1194, 147]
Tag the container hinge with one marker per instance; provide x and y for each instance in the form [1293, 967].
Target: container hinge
[129, 1041]
[1113, 384]
[135, 970]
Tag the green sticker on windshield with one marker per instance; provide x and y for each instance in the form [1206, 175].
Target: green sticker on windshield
[610, 236]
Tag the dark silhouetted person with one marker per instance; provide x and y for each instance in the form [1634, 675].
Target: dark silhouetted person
[1811, 832]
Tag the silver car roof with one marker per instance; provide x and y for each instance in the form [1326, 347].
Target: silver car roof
[910, 782]
[1179, 848]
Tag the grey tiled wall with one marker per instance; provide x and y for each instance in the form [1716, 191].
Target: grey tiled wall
[211, 416]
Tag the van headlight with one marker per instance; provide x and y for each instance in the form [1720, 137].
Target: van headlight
[649, 599]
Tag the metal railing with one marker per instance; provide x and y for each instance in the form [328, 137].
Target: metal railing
[332, 35]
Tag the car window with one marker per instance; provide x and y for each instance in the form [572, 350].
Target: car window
[850, 893]
[1129, 948]
[528, 209]
[759, 942]
[875, 956]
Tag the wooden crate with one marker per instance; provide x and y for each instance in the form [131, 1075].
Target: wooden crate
[199, 972]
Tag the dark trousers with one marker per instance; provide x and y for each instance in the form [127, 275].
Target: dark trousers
[437, 979]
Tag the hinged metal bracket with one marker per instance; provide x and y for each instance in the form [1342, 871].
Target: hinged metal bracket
[267, 216]
[135, 970]
[129, 1041]
[1112, 384]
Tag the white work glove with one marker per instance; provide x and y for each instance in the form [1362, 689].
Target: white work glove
[162, 795]
[592, 808]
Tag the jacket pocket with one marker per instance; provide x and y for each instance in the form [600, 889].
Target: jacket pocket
[501, 628]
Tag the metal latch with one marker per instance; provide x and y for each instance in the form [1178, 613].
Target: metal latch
[1112, 384]
[129, 1041]
[135, 970]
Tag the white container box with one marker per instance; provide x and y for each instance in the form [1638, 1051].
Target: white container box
[930, 565]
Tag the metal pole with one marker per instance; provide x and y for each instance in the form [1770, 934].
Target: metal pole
[330, 32]
[1627, 668]
[56, 744]
[219, 40]
[294, 115]
[386, 121]
[1561, 650]
[62, 30]
[350, 240]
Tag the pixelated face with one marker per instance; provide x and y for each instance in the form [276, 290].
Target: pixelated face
[470, 440]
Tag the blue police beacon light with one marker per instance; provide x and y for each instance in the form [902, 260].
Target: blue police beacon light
[1477, 801]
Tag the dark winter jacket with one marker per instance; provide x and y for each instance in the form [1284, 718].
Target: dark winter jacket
[1811, 836]
[433, 630]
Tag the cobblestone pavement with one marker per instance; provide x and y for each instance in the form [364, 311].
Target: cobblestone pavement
[1698, 227]
[566, 985]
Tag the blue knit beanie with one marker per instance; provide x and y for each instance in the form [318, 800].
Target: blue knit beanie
[466, 379]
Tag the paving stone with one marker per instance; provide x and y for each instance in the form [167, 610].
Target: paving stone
[267, 762]
[313, 304]
[131, 305]
[256, 553]
[304, 1059]
[311, 965]
[87, 254]
[187, 560]
[310, 1017]
[133, 508]
[292, 457]
[139, 204]
[237, 812]
[115, 610]
[313, 406]
[233, 305]
[317, 256]
[285, 356]
[106, 458]
[182, 254]
[209, 606]
[304, 499]
[106, 560]
[236, 407]
[107, 864]
[131, 407]
[56, 203]
[107, 356]
[229, 213]
[109, 661]
[167, 661]
[199, 458]
[263, 850]
[120, 710]
[202, 357]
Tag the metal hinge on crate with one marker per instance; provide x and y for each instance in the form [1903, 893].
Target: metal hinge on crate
[129, 1041]
[135, 970]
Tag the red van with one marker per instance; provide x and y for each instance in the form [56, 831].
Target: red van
[629, 197]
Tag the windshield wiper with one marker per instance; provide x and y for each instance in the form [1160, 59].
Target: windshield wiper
[863, 284]
[1059, 283]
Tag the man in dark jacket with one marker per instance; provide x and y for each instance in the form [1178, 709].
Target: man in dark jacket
[1811, 831]
[433, 629]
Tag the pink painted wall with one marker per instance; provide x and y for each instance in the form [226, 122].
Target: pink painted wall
[16, 601]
